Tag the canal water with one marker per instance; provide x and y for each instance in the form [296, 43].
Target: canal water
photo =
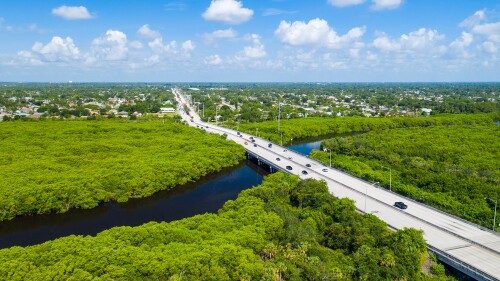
[205, 195]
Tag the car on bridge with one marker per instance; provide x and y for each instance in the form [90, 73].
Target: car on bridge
[278, 159]
[270, 145]
[400, 205]
[289, 168]
[246, 142]
[325, 170]
[304, 172]
[254, 145]
[308, 165]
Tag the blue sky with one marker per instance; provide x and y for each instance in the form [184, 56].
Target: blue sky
[250, 40]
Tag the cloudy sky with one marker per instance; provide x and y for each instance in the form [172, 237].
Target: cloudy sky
[250, 40]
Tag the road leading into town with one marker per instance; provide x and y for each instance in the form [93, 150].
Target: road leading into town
[471, 248]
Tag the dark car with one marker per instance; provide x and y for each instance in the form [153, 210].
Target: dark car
[254, 145]
[308, 165]
[253, 140]
[270, 145]
[400, 205]
[278, 159]
[289, 167]
[304, 172]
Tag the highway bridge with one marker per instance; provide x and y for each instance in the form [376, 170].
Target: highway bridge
[470, 248]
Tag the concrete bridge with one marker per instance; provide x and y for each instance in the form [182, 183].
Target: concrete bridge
[470, 248]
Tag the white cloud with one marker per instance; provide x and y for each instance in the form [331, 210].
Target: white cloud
[147, 32]
[464, 41]
[228, 11]
[72, 12]
[316, 33]
[473, 20]
[490, 47]
[422, 39]
[158, 47]
[220, 34]
[213, 60]
[252, 52]
[58, 49]
[490, 30]
[26, 58]
[112, 46]
[136, 44]
[345, 3]
[188, 46]
[386, 4]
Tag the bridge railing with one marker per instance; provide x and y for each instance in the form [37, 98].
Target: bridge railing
[346, 172]
[460, 265]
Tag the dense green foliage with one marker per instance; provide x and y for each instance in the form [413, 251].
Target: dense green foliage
[51, 166]
[282, 230]
[312, 127]
[451, 167]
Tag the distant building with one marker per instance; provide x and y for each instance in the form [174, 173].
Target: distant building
[164, 110]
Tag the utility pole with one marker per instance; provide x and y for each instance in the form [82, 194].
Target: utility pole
[330, 157]
[390, 177]
[495, 214]
[216, 113]
[279, 115]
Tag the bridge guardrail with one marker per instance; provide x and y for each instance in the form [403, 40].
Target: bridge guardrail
[340, 170]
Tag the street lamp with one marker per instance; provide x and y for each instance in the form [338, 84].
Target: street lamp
[390, 177]
[495, 214]
[279, 115]
[366, 191]
[329, 149]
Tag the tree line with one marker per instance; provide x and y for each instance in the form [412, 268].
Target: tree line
[52, 166]
[284, 229]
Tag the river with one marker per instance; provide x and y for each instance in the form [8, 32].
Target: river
[205, 195]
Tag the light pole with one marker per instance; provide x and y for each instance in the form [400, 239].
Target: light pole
[279, 114]
[330, 157]
[366, 191]
[216, 113]
[291, 141]
[495, 214]
[390, 177]
[281, 139]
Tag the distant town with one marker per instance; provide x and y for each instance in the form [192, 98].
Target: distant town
[244, 102]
